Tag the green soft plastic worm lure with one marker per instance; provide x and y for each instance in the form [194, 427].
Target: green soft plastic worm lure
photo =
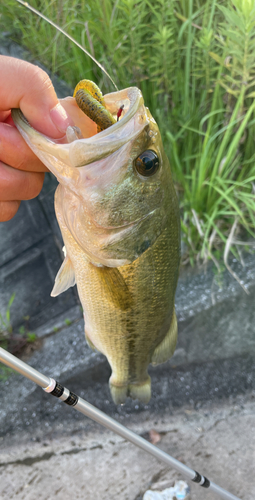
[90, 100]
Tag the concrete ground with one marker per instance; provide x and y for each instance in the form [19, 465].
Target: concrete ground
[218, 440]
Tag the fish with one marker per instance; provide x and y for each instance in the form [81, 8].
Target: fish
[118, 213]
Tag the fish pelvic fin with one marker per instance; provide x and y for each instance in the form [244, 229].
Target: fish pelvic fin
[141, 391]
[166, 348]
[65, 278]
[90, 343]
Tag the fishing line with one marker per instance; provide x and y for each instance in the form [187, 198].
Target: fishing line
[25, 4]
[56, 389]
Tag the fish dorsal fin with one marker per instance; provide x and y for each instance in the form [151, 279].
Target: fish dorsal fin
[65, 278]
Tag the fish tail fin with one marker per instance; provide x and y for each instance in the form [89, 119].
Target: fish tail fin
[141, 391]
[166, 348]
[119, 393]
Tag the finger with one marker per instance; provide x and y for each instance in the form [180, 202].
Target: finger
[4, 115]
[19, 185]
[28, 87]
[8, 209]
[15, 152]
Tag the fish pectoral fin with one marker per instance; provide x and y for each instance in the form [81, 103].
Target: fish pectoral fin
[65, 278]
[166, 348]
[116, 287]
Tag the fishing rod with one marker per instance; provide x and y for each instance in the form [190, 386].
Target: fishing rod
[53, 387]
[61, 30]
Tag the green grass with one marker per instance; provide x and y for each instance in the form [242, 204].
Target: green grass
[10, 339]
[5, 324]
[194, 62]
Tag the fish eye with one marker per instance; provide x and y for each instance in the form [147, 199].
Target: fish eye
[147, 163]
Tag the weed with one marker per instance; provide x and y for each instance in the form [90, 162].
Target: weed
[5, 372]
[5, 323]
[22, 330]
[11, 340]
[31, 337]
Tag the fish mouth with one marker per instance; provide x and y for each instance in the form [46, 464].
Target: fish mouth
[92, 146]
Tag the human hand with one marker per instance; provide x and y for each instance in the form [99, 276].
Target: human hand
[24, 86]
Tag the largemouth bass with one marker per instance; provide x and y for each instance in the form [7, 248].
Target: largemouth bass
[118, 213]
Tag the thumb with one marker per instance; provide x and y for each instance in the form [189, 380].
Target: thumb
[28, 87]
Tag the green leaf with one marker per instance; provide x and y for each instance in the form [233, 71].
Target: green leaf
[31, 337]
[217, 58]
[11, 300]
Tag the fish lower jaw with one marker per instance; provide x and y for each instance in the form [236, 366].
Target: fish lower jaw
[138, 390]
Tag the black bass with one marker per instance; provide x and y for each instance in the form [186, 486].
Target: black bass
[118, 213]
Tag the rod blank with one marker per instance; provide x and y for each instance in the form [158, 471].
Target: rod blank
[90, 411]
[24, 369]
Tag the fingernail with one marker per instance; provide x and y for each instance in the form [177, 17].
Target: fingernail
[60, 118]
